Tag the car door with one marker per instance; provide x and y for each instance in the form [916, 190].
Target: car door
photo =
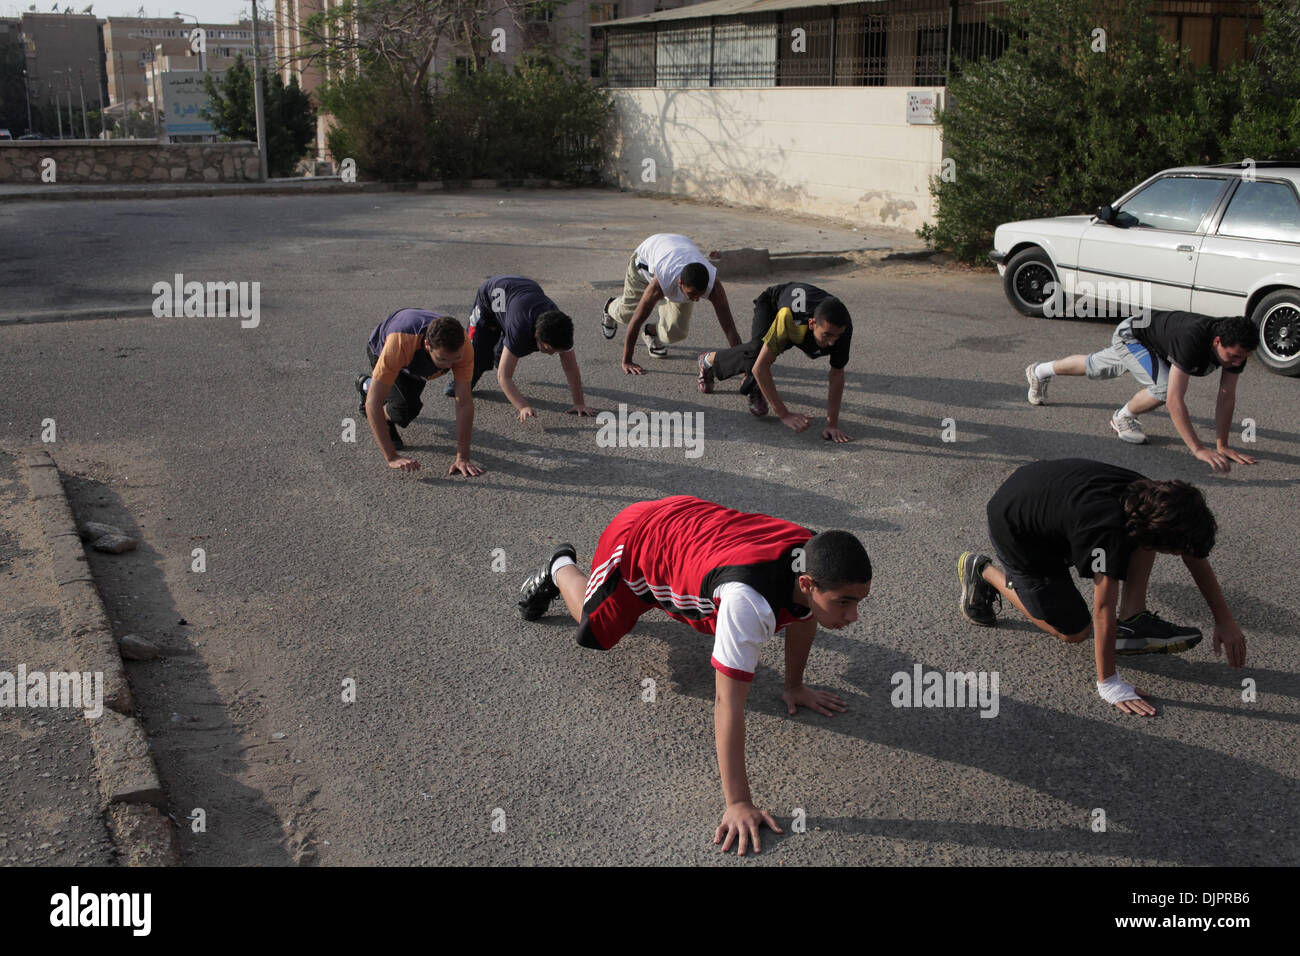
[1148, 255]
[1256, 243]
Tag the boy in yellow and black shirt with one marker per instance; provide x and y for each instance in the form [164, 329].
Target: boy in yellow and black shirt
[794, 314]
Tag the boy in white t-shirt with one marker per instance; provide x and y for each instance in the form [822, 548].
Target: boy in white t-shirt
[670, 272]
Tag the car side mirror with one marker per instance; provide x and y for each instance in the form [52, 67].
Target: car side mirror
[1106, 214]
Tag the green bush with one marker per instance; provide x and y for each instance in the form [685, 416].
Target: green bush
[382, 125]
[543, 121]
[1056, 126]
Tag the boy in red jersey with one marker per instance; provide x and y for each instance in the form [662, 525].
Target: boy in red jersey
[739, 577]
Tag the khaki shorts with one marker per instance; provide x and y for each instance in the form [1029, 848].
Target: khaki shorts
[674, 321]
[1127, 354]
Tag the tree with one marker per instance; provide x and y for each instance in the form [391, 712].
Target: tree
[289, 115]
[1268, 125]
[401, 37]
[1087, 101]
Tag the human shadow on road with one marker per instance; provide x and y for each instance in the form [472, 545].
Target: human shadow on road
[197, 746]
[1164, 799]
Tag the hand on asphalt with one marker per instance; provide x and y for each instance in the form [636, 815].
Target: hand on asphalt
[1229, 637]
[465, 467]
[822, 701]
[743, 821]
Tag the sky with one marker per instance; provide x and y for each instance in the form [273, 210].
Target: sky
[208, 11]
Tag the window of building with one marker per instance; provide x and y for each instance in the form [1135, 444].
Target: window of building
[542, 12]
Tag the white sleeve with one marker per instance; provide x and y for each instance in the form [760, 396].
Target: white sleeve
[745, 621]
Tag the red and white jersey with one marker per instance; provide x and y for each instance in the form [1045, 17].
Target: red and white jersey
[723, 572]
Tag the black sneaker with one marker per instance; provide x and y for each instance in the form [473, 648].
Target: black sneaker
[977, 595]
[538, 590]
[608, 325]
[396, 438]
[360, 383]
[1149, 633]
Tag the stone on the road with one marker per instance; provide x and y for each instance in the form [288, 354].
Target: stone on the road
[113, 543]
[136, 648]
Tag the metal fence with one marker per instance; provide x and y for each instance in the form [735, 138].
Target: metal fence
[892, 42]
[883, 43]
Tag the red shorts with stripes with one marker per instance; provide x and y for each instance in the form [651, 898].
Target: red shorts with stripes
[610, 608]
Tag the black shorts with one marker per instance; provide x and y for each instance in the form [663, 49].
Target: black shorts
[1053, 599]
[403, 402]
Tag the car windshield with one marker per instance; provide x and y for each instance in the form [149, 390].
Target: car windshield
[1177, 203]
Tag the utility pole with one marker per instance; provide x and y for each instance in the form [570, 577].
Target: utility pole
[81, 82]
[258, 110]
[28, 97]
[121, 83]
[157, 92]
[58, 107]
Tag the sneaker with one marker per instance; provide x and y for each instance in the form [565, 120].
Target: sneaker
[656, 348]
[608, 325]
[1037, 387]
[1128, 428]
[1149, 633]
[538, 590]
[757, 403]
[396, 438]
[360, 383]
[706, 375]
[977, 595]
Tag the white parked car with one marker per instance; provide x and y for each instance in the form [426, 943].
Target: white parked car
[1220, 240]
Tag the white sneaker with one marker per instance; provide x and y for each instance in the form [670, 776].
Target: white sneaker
[1128, 429]
[656, 348]
[1037, 386]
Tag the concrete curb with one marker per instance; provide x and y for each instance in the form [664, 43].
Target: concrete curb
[127, 774]
[331, 186]
[76, 315]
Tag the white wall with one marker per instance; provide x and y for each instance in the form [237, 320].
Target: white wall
[841, 152]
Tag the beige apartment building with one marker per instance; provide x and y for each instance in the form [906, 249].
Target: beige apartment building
[62, 51]
[130, 46]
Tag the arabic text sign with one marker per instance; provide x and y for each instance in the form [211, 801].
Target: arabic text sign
[921, 105]
[183, 97]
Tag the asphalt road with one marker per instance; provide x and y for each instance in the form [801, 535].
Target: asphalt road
[322, 565]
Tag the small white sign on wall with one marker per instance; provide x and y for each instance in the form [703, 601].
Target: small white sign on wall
[921, 107]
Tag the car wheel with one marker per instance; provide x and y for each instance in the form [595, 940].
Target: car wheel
[1278, 318]
[1030, 280]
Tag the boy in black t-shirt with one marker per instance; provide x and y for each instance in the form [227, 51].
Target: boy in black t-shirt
[792, 314]
[1109, 523]
[512, 318]
[1163, 353]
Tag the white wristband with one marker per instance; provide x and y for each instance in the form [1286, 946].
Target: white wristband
[1115, 689]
